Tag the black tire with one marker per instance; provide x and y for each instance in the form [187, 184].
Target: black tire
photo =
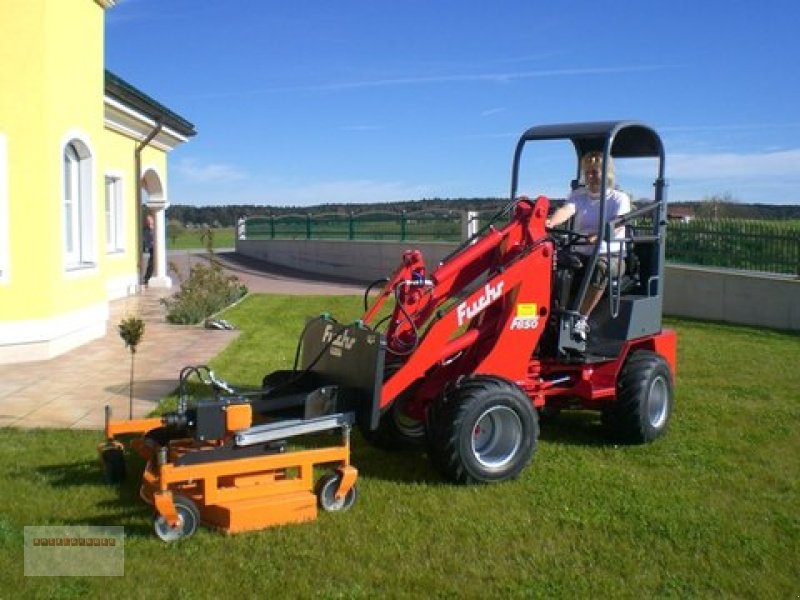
[396, 430]
[114, 470]
[484, 431]
[327, 486]
[644, 400]
[189, 518]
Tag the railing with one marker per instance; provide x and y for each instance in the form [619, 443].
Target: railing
[768, 246]
[429, 225]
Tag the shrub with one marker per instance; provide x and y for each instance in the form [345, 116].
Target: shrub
[205, 291]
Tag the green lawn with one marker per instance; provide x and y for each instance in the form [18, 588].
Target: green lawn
[191, 239]
[710, 510]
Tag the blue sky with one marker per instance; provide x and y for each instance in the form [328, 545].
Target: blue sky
[306, 102]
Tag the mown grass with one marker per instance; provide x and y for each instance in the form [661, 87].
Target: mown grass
[711, 510]
[194, 239]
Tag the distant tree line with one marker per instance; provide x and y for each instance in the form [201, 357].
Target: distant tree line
[226, 216]
[718, 206]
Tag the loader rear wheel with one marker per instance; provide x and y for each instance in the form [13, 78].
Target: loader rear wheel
[113, 465]
[188, 520]
[644, 400]
[327, 487]
[485, 431]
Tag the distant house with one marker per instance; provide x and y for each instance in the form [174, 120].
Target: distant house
[680, 213]
[79, 150]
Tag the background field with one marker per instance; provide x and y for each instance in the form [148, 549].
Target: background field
[190, 239]
[711, 510]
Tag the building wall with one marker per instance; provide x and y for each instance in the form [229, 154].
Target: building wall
[51, 91]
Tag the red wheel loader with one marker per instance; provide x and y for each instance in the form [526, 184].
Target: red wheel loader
[471, 352]
[483, 343]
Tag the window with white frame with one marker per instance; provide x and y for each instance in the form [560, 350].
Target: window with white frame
[114, 214]
[78, 214]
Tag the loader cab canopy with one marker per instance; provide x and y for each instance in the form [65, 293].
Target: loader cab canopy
[629, 139]
[621, 139]
[633, 301]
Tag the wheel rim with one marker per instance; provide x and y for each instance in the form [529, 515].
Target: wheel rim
[658, 402]
[167, 533]
[405, 423]
[496, 437]
[328, 495]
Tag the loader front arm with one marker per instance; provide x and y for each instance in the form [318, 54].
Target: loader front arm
[474, 312]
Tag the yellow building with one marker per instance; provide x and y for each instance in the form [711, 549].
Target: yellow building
[80, 151]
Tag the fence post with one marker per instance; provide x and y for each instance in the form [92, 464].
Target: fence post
[272, 226]
[469, 224]
[308, 226]
[351, 233]
[403, 221]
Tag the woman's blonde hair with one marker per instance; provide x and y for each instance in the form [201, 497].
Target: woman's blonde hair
[595, 158]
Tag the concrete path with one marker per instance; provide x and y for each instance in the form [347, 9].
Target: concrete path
[71, 390]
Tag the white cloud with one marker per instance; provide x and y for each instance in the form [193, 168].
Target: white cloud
[781, 164]
[500, 77]
[492, 111]
[211, 173]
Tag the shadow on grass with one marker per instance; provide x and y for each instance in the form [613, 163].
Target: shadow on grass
[403, 466]
[573, 428]
[126, 509]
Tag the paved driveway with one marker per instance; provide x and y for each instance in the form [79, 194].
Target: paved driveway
[71, 390]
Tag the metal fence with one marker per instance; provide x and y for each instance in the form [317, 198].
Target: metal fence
[768, 246]
[430, 225]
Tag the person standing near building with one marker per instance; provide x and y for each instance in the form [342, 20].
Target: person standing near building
[148, 246]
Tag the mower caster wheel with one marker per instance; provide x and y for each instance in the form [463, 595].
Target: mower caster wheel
[113, 465]
[188, 520]
[327, 486]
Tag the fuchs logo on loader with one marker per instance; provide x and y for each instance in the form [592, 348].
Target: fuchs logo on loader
[338, 342]
[469, 311]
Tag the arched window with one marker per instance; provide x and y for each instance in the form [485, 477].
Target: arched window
[78, 213]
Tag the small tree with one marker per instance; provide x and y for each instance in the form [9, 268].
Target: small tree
[131, 331]
[717, 206]
[174, 230]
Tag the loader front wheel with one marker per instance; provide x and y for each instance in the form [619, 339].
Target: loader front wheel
[397, 430]
[644, 401]
[485, 431]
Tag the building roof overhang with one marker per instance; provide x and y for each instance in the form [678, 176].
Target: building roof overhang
[133, 113]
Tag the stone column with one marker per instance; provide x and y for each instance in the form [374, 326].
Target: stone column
[160, 277]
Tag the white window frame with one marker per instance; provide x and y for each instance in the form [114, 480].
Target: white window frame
[114, 213]
[5, 245]
[77, 203]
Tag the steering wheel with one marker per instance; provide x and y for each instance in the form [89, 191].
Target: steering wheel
[570, 237]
